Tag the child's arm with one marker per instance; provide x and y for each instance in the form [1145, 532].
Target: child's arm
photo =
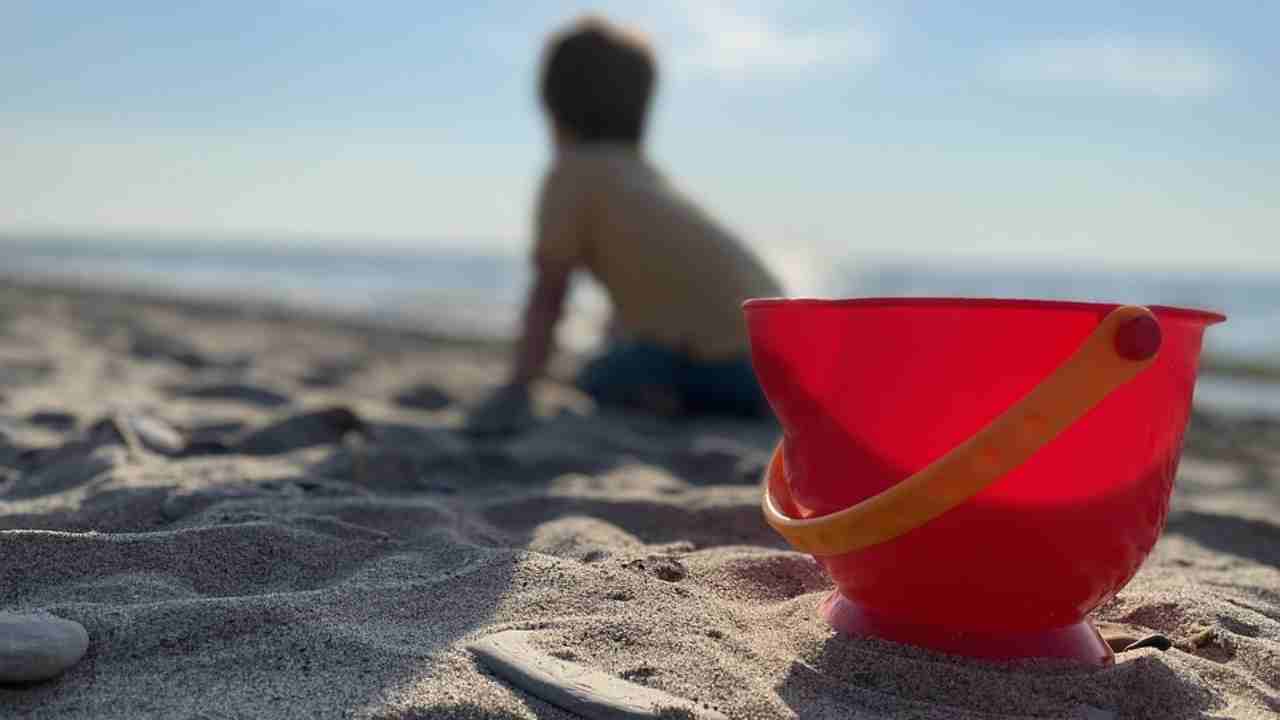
[557, 251]
[558, 246]
[508, 409]
[542, 313]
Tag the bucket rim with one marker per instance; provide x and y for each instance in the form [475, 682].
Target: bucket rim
[1207, 317]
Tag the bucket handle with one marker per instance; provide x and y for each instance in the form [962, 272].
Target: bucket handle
[1124, 344]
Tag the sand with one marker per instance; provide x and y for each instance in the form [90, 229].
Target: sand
[258, 514]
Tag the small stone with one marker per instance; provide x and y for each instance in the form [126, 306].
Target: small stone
[137, 431]
[155, 434]
[36, 647]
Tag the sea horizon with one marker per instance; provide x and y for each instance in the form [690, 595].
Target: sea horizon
[478, 293]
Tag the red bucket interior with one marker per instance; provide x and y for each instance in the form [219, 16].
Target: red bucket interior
[870, 391]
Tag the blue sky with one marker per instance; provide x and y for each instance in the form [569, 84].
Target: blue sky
[1050, 132]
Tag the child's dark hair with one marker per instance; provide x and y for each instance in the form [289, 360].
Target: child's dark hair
[597, 80]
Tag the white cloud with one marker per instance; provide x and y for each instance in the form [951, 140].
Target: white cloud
[1117, 64]
[729, 39]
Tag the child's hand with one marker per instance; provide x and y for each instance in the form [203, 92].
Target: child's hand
[507, 411]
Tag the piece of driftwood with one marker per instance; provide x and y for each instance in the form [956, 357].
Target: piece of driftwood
[580, 690]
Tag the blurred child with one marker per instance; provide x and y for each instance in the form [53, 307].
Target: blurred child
[676, 279]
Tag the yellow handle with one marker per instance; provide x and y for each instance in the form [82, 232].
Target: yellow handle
[1123, 345]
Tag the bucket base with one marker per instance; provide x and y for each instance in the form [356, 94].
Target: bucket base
[1079, 642]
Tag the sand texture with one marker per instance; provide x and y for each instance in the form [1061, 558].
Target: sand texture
[257, 515]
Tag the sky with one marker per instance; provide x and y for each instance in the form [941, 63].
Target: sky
[1082, 132]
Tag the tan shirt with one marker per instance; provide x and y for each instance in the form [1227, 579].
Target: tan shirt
[675, 277]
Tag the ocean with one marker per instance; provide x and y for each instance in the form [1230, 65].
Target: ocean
[479, 294]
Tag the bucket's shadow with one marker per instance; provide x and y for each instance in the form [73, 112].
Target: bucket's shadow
[846, 674]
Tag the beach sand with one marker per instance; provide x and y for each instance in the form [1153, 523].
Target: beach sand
[257, 514]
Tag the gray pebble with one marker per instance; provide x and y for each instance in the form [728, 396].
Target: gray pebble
[155, 434]
[36, 647]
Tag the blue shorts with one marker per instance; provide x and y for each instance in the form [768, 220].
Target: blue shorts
[626, 370]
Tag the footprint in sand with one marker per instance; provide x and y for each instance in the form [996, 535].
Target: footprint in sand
[184, 503]
[423, 397]
[148, 345]
[56, 420]
[19, 373]
[211, 436]
[67, 469]
[332, 372]
[101, 447]
[45, 471]
[717, 459]
[319, 427]
[232, 392]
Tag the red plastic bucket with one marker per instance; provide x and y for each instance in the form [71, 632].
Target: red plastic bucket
[872, 392]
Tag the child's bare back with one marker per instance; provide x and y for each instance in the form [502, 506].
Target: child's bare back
[676, 277]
